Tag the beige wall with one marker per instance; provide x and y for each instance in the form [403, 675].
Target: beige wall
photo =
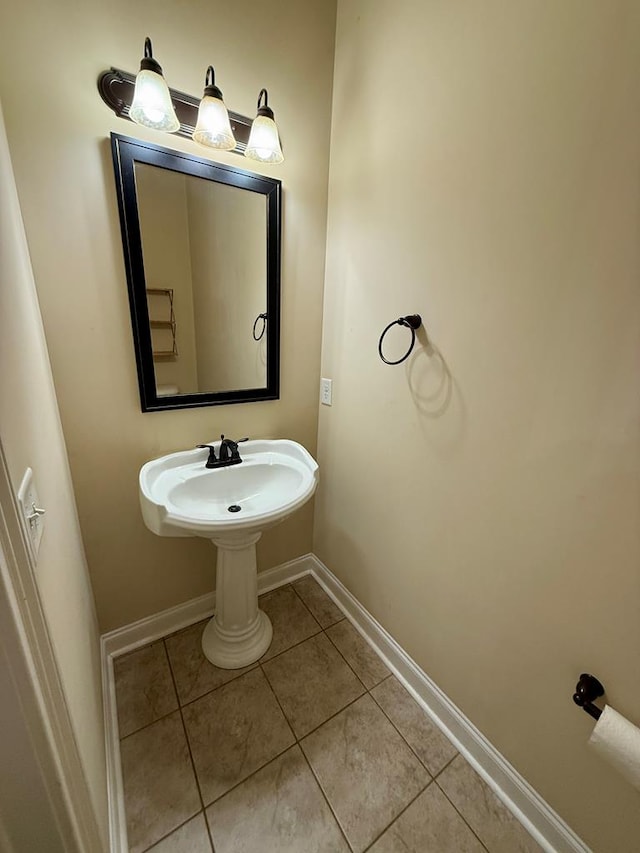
[32, 437]
[482, 501]
[228, 228]
[164, 229]
[65, 181]
[27, 820]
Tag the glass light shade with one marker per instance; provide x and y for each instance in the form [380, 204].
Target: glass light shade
[213, 128]
[264, 142]
[152, 105]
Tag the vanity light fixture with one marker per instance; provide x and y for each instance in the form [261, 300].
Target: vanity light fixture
[147, 100]
[151, 104]
[213, 128]
[264, 141]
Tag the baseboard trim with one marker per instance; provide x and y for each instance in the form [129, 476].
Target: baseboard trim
[118, 842]
[144, 631]
[140, 633]
[548, 829]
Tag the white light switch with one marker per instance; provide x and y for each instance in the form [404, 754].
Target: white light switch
[325, 392]
[32, 511]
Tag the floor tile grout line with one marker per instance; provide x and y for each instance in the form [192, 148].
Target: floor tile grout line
[324, 627]
[294, 735]
[398, 816]
[165, 716]
[302, 737]
[315, 729]
[258, 769]
[148, 725]
[450, 761]
[237, 784]
[191, 817]
[348, 705]
[284, 651]
[207, 823]
[319, 726]
[360, 681]
[459, 813]
[175, 692]
[297, 740]
[193, 764]
[186, 737]
[429, 781]
[301, 599]
[433, 777]
[325, 797]
[250, 776]
[212, 616]
[164, 837]
[217, 687]
[299, 745]
[197, 780]
[259, 662]
[190, 702]
[342, 655]
[248, 669]
[369, 690]
[422, 762]
[279, 704]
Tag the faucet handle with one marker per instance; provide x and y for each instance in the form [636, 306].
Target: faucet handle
[231, 441]
[229, 448]
[212, 451]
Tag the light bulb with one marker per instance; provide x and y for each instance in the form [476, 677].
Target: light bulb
[213, 128]
[152, 106]
[264, 141]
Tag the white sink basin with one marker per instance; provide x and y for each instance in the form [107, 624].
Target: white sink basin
[180, 497]
[231, 506]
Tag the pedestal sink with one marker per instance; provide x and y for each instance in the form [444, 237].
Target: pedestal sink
[231, 506]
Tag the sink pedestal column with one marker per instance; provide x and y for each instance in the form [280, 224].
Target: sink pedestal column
[239, 633]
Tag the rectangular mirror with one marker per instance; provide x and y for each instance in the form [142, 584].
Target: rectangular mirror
[202, 254]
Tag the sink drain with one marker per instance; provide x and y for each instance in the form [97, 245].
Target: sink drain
[234, 508]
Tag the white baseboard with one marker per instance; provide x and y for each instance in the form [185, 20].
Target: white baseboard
[145, 631]
[548, 829]
[115, 795]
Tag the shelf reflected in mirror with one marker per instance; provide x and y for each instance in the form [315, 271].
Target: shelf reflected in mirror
[202, 252]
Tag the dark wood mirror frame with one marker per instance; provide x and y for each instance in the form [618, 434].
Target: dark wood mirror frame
[127, 152]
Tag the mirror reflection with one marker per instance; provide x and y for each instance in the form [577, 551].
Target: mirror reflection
[201, 245]
[205, 265]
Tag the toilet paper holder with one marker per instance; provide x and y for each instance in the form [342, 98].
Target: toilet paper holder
[588, 689]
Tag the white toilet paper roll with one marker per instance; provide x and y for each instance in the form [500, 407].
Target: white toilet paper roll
[617, 740]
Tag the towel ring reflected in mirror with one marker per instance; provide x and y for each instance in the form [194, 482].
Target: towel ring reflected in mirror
[258, 336]
[208, 234]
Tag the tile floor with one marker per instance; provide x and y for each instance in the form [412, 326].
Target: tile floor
[317, 748]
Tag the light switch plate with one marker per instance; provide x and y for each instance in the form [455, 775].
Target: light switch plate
[325, 392]
[31, 511]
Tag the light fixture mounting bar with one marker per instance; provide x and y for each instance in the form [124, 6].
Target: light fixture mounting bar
[116, 89]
